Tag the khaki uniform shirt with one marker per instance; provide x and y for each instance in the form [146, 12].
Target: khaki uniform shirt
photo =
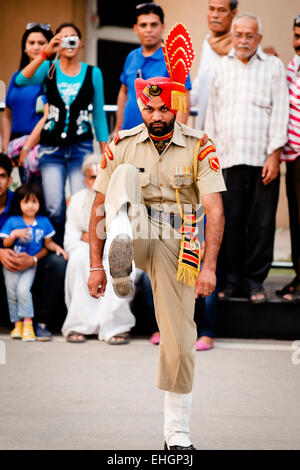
[157, 172]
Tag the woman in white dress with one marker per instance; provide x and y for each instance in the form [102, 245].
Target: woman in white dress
[109, 317]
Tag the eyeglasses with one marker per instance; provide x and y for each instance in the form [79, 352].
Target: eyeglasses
[297, 20]
[44, 26]
[248, 37]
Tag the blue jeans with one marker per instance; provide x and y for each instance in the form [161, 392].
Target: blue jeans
[56, 164]
[18, 290]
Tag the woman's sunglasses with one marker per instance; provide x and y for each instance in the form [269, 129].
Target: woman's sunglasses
[44, 26]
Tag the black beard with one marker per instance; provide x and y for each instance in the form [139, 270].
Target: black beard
[165, 129]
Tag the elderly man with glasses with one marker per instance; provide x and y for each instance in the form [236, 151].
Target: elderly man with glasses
[247, 116]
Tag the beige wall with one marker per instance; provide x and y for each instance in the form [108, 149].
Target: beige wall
[276, 15]
[16, 13]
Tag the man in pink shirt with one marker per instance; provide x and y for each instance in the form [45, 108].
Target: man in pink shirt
[291, 155]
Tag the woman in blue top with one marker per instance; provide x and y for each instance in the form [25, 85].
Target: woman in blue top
[25, 106]
[74, 91]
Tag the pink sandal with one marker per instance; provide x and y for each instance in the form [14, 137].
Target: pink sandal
[155, 338]
[201, 346]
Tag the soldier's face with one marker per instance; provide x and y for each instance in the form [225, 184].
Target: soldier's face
[157, 117]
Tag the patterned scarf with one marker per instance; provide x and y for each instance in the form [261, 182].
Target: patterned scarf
[221, 44]
[190, 249]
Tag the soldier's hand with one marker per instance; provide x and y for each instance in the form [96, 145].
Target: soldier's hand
[205, 283]
[97, 284]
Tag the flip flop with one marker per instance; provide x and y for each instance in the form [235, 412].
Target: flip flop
[289, 288]
[115, 339]
[258, 292]
[294, 296]
[120, 259]
[155, 338]
[78, 337]
[202, 346]
[227, 293]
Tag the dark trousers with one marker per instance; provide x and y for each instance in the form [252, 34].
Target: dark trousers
[293, 195]
[250, 209]
[47, 293]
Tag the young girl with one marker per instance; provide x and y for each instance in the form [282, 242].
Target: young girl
[26, 231]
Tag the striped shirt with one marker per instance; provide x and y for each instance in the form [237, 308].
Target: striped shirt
[248, 107]
[292, 149]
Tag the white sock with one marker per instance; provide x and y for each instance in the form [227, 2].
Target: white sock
[121, 224]
[177, 412]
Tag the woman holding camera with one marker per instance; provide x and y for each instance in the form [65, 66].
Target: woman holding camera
[25, 107]
[74, 91]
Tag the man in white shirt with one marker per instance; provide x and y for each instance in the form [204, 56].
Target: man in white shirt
[247, 115]
[220, 14]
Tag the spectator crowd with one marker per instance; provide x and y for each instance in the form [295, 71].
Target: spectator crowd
[53, 122]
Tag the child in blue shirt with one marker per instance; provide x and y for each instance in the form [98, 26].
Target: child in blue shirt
[26, 231]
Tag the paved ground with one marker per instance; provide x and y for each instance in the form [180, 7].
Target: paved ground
[58, 395]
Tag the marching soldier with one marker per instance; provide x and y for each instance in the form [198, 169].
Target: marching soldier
[153, 179]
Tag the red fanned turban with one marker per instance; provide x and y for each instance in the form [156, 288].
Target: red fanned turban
[179, 54]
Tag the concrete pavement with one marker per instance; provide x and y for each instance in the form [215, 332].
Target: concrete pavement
[93, 396]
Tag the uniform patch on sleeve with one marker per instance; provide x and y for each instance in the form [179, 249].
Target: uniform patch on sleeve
[108, 153]
[206, 151]
[103, 161]
[214, 163]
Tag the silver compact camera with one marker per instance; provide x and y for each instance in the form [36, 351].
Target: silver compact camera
[70, 42]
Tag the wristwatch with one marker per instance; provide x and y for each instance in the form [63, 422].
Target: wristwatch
[35, 260]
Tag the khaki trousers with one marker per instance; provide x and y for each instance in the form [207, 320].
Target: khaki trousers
[156, 250]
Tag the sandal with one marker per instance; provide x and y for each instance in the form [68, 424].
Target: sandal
[227, 293]
[258, 295]
[75, 337]
[292, 296]
[204, 345]
[155, 338]
[289, 288]
[120, 265]
[120, 338]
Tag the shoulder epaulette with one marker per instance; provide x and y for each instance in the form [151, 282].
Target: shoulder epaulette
[190, 131]
[129, 132]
